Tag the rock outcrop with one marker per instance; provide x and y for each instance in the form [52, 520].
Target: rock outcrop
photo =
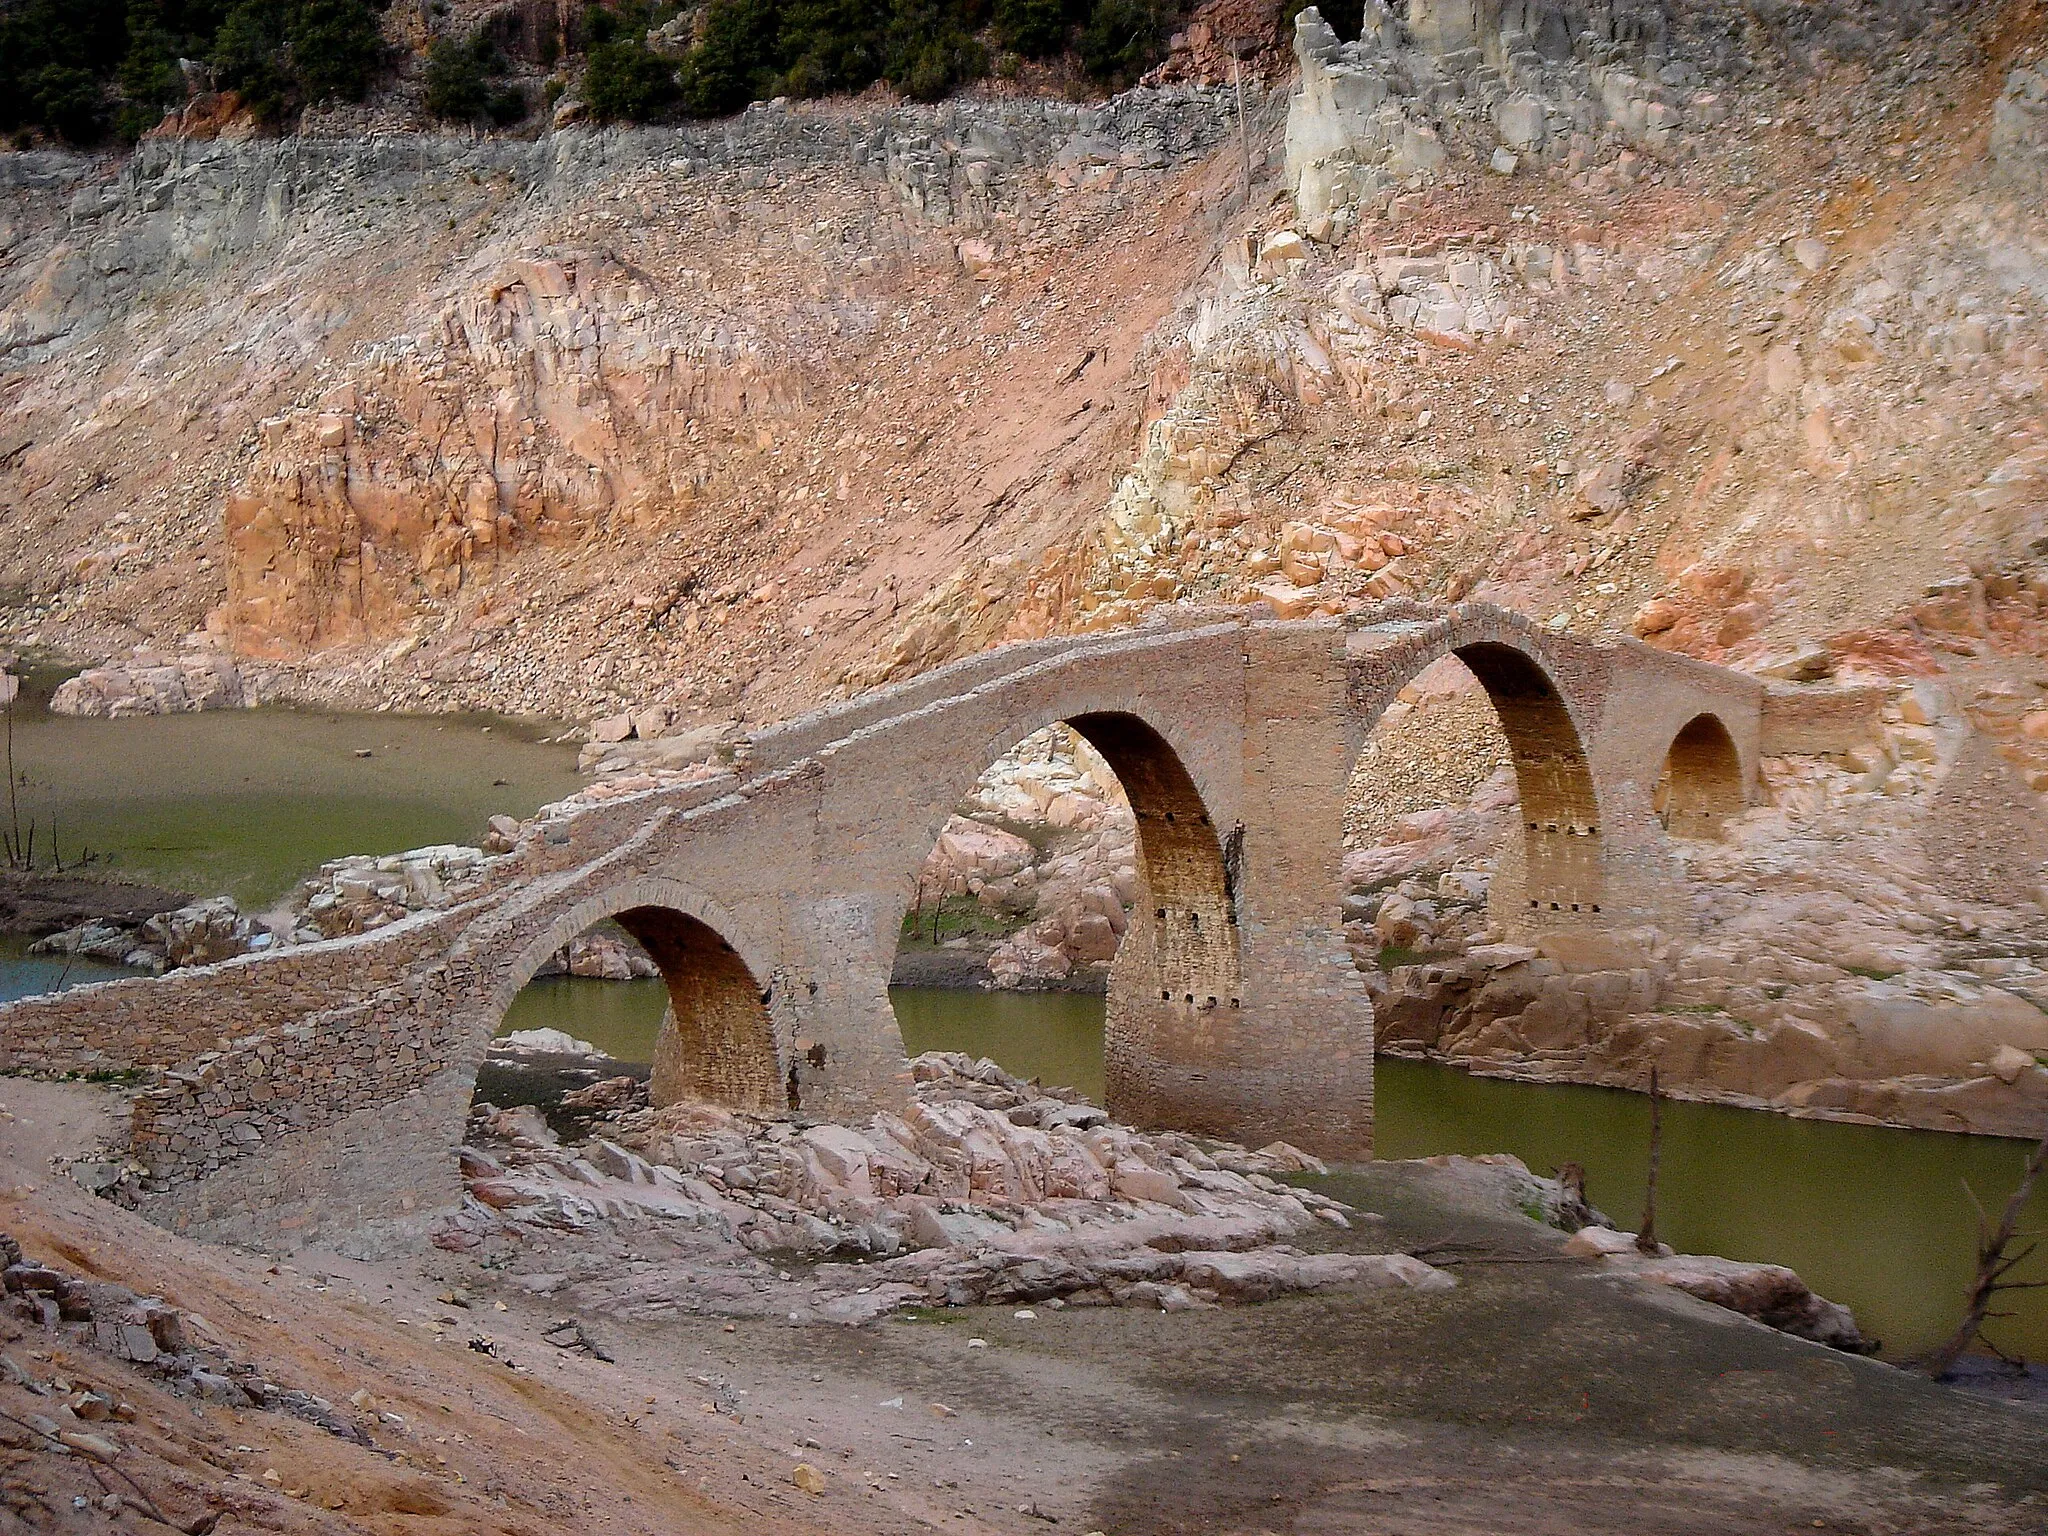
[150, 684]
[198, 934]
[989, 1189]
[1533, 83]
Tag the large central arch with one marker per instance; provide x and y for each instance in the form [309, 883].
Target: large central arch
[1193, 936]
[1178, 964]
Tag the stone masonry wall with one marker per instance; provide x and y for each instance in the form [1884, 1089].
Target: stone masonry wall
[195, 1014]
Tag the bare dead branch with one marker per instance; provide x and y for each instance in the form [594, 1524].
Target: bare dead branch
[1993, 1264]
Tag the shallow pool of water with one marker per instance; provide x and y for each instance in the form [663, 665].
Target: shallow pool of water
[250, 801]
[24, 975]
[1872, 1217]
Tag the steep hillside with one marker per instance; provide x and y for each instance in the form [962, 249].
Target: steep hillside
[607, 419]
[723, 419]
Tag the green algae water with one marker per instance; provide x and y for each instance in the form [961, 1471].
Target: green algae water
[1872, 1217]
[620, 1018]
[248, 802]
[1055, 1037]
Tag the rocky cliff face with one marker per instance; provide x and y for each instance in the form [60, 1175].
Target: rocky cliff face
[1716, 324]
[720, 371]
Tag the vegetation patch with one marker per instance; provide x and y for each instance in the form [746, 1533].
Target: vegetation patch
[82, 70]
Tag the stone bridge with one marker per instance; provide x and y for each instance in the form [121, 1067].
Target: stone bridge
[321, 1092]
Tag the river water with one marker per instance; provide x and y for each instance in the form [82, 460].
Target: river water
[250, 801]
[1871, 1217]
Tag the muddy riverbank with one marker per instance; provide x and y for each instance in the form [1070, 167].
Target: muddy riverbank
[39, 902]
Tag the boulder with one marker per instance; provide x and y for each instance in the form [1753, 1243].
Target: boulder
[1769, 1293]
[1280, 252]
[2008, 1062]
[1599, 1243]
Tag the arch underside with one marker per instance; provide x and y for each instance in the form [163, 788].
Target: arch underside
[1702, 782]
[1187, 954]
[717, 1043]
[1561, 859]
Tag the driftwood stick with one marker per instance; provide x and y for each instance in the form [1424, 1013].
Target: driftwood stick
[1993, 1265]
[1646, 1240]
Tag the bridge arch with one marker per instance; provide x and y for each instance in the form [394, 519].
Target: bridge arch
[1558, 860]
[718, 1040]
[1177, 961]
[1701, 784]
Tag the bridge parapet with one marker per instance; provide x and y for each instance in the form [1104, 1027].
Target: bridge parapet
[174, 1020]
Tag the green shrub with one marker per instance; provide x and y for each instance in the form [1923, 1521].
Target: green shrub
[149, 77]
[1120, 41]
[626, 81]
[249, 55]
[69, 101]
[335, 49]
[463, 82]
[1035, 28]
[457, 84]
[933, 68]
[56, 57]
[831, 45]
[735, 59]
[282, 53]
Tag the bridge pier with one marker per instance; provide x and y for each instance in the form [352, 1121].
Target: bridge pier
[1284, 1050]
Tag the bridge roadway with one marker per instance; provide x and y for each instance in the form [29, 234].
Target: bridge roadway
[320, 1092]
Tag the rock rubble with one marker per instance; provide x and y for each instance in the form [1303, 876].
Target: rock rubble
[987, 1189]
[179, 1348]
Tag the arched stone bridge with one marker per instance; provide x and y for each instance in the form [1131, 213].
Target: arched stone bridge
[321, 1092]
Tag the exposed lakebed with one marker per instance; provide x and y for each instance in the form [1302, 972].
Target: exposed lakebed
[1870, 1216]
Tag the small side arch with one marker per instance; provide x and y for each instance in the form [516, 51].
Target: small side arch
[717, 1039]
[1701, 785]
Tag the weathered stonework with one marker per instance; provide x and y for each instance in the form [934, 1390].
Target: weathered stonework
[321, 1092]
